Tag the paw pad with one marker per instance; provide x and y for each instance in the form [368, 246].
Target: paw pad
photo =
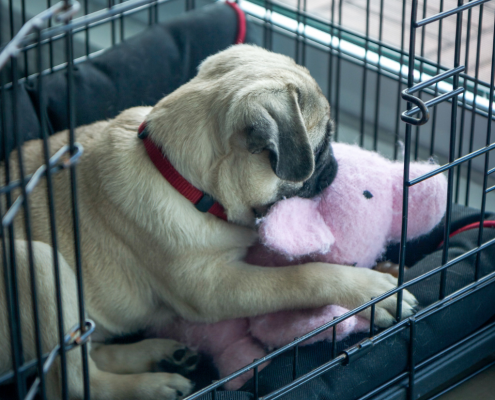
[192, 361]
[179, 354]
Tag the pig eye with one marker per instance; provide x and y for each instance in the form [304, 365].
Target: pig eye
[367, 194]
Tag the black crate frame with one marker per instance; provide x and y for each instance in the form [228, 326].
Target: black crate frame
[33, 36]
[81, 332]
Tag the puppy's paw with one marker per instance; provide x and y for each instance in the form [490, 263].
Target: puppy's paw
[164, 386]
[170, 356]
[179, 359]
[388, 267]
[365, 284]
[149, 355]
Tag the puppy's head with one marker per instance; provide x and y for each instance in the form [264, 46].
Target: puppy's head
[268, 134]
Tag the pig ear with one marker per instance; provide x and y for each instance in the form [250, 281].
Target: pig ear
[426, 203]
[295, 227]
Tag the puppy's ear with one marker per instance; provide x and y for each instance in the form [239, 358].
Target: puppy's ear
[278, 126]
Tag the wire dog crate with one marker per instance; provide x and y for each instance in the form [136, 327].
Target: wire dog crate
[411, 79]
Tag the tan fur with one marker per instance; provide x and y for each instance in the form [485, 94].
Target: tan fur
[148, 254]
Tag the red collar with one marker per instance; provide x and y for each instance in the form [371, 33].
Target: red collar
[202, 201]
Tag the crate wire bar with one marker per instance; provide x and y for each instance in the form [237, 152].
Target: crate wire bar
[79, 334]
[412, 86]
[413, 73]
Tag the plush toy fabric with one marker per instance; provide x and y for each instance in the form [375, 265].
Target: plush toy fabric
[350, 223]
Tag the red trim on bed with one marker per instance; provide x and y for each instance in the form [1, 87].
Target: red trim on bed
[474, 225]
[241, 23]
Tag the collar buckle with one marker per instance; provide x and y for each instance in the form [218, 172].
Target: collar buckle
[205, 203]
[142, 131]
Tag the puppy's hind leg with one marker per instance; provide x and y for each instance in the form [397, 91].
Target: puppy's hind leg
[103, 385]
[47, 312]
[109, 386]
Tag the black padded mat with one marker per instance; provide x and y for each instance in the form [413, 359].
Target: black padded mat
[137, 72]
[27, 117]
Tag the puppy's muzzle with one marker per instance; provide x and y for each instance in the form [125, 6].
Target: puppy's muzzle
[325, 172]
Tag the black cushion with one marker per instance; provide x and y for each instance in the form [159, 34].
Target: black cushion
[138, 72]
[143, 69]
[28, 126]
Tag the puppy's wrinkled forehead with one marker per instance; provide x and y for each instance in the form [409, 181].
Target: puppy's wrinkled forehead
[250, 69]
[247, 58]
[248, 61]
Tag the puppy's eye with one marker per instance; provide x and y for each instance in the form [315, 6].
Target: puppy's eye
[367, 194]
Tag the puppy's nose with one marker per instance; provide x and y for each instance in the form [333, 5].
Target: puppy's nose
[325, 180]
[320, 180]
[328, 175]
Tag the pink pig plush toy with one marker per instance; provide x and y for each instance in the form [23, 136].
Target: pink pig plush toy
[350, 223]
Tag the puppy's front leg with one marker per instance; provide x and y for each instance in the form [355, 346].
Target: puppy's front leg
[150, 355]
[145, 386]
[240, 290]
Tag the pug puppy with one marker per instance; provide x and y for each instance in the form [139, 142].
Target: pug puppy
[251, 128]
